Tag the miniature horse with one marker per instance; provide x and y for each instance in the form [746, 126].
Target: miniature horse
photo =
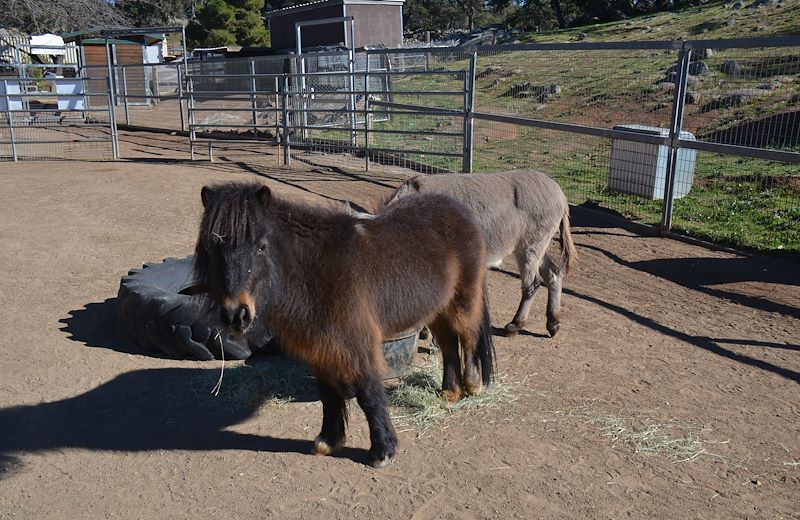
[333, 286]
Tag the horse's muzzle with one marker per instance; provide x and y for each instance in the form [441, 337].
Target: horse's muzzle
[237, 316]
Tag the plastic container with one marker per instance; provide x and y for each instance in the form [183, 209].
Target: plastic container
[641, 168]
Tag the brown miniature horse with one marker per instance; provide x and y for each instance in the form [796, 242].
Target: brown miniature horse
[334, 286]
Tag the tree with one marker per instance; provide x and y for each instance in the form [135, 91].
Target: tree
[232, 22]
[470, 9]
[56, 16]
[436, 16]
[149, 13]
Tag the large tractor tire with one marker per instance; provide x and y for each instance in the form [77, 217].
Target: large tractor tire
[158, 310]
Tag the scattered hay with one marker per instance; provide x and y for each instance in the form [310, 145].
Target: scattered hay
[415, 400]
[418, 406]
[676, 441]
[277, 381]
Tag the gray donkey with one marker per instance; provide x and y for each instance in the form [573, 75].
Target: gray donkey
[518, 212]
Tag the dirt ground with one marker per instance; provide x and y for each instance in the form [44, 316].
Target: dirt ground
[655, 333]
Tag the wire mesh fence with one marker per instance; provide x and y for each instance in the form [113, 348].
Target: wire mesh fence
[700, 136]
[56, 118]
[740, 101]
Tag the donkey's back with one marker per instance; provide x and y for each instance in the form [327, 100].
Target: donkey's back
[518, 212]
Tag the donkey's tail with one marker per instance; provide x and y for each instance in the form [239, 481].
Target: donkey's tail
[485, 346]
[569, 255]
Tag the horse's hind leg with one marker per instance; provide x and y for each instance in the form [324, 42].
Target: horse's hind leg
[528, 260]
[334, 418]
[447, 341]
[552, 277]
[372, 399]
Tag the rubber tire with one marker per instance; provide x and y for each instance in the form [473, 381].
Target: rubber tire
[161, 320]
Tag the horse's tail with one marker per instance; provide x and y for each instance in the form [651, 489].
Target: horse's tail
[569, 255]
[485, 346]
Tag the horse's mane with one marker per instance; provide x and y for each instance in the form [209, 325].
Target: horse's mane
[231, 217]
[234, 213]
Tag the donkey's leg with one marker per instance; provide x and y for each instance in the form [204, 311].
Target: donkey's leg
[552, 277]
[447, 340]
[528, 260]
[334, 417]
[372, 399]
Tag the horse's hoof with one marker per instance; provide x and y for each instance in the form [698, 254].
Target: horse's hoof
[451, 396]
[424, 333]
[512, 329]
[321, 447]
[472, 382]
[380, 463]
[474, 389]
[552, 328]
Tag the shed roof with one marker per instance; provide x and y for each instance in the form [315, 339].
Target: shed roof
[325, 3]
[115, 33]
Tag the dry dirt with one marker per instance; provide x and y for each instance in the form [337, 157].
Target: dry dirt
[655, 332]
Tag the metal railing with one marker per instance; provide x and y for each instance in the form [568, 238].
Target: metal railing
[55, 124]
[702, 137]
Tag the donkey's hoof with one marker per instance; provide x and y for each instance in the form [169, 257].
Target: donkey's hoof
[451, 396]
[512, 329]
[553, 327]
[321, 446]
[381, 455]
[380, 463]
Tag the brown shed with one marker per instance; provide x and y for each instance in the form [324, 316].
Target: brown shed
[376, 22]
[129, 50]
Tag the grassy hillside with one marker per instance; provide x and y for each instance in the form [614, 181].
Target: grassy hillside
[720, 20]
[745, 202]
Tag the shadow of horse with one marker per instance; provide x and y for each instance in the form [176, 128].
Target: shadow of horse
[152, 409]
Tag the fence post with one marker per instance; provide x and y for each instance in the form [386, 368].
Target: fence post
[190, 115]
[180, 97]
[11, 130]
[253, 96]
[286, 151]
[366, 114]
[469, 108]
[351, 69]
[112, 120]
[277, 104]
[676, 124]
[125, 94]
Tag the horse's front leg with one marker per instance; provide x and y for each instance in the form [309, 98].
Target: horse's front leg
[334, 419]
[372, 399]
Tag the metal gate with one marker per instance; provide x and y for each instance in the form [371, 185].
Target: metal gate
[346, 107]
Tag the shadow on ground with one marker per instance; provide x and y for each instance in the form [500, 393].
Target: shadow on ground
[154, 409]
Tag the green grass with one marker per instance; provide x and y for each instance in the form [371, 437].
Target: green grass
[701, 23]
[743, 202]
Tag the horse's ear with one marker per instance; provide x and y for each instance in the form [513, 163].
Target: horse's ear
[205, 195]
[264, 195]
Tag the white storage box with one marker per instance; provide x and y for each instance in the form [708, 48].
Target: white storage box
[70, 92]
[641, 168]
[9, 87]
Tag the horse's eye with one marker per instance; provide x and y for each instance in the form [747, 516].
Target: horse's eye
[262, 249]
